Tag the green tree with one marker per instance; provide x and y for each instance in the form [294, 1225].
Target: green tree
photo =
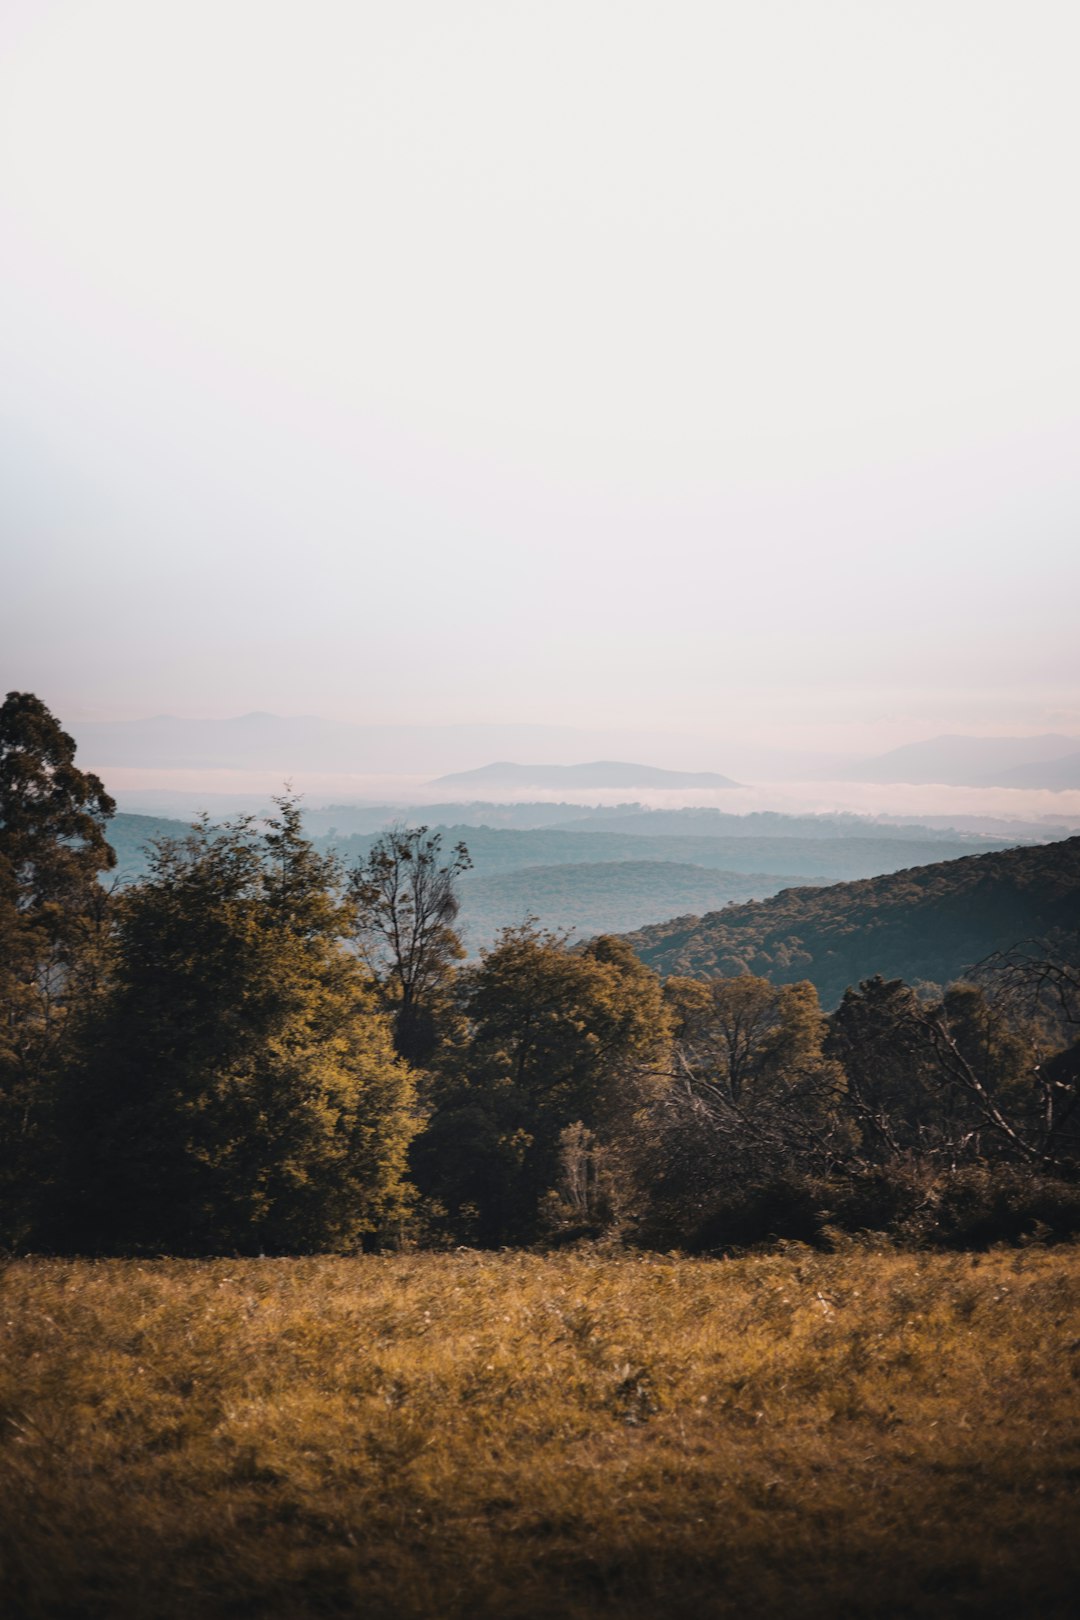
[556, 1037]
[52, 852]
[877, 1035]
[406, 905]
[944, 1081]
[240, 1090]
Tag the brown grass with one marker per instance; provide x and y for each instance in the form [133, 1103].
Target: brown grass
[859, 1434]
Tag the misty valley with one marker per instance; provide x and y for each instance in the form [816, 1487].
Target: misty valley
[610, 872]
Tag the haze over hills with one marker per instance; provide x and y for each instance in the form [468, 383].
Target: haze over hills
[505, 849]
[597, 774]
[1057, 774]
[173, 756]
[260, 741]
[591, 879]
[817, 860]
[972, 832]
[708, 821]
[928, 923]
[959, 761]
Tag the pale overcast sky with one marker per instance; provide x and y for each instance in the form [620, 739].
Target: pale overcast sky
[700, 366]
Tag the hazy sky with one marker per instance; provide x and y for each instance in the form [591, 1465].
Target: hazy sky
[709, 366]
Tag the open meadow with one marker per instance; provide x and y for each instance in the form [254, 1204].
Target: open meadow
[863, 1433]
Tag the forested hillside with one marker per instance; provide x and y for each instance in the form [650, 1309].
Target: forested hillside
[926, 923]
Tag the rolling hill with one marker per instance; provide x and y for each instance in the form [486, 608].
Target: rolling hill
[923, 923]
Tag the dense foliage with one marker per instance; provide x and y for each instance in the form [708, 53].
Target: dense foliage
[554, 1040]
[237, 1089]
[52, 852]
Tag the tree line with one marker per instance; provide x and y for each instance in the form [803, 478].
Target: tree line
[256, 1050]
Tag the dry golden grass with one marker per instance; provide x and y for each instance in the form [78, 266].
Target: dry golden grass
[859, 1434]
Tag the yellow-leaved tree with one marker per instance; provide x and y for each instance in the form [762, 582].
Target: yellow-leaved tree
[239, 1090]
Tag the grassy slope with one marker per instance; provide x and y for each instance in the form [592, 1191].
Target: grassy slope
[930, 922]
[864, 1434]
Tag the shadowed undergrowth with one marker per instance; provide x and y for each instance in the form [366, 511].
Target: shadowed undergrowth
[858, 1434]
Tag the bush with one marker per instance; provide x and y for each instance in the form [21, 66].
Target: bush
[783, 1207]
[969, 1208]
[977, 1207]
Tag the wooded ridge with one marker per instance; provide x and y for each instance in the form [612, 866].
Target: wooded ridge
[923, 923]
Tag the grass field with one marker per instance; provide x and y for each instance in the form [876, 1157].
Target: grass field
[858, 1434]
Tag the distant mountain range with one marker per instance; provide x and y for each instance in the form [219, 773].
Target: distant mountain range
[603, 773]
[926, 923]
[288, 745]
[274, 742]
[1049, 761]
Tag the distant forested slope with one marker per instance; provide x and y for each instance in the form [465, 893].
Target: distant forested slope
[772, 849]
[343, 820]
[713, 823]
[926, 923]
[505, 849]
[604, 897]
